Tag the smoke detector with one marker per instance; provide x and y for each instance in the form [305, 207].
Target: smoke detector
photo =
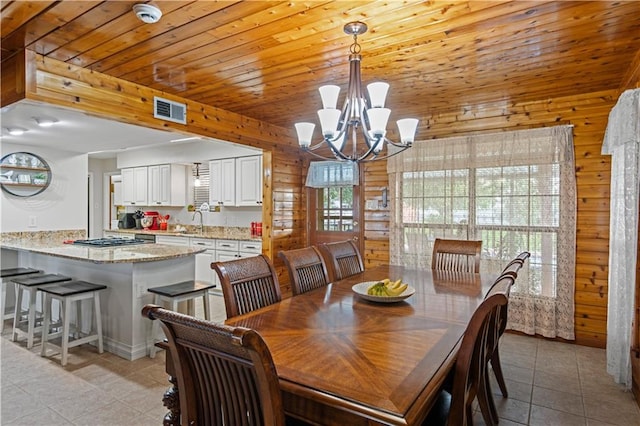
[147, 13]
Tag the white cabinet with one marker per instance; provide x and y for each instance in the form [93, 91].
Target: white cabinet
[236, 181]
[167, 185]
[234, 249]
[222, 185]
[249, 181]
[203, 260]
[172, 240]
[134, 186]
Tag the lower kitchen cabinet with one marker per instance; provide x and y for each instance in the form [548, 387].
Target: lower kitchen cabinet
[203, 260]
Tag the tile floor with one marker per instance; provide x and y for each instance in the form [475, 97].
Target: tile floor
[550, 383]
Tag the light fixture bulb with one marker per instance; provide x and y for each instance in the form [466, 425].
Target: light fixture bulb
[45, 122]
[16, 131]
[196, 180]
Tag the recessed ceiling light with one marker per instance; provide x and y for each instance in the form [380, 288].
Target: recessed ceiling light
[45, 122]
[16, 131]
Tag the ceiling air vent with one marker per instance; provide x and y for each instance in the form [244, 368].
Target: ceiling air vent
[169, 110]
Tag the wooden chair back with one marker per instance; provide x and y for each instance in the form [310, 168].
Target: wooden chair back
[306, 267]
[248, 284]
[478, 345]
[226, 375]
[517, 263]
[456, 255]
[342, 258]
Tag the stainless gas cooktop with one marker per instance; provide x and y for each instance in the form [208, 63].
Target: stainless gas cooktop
[111, 242]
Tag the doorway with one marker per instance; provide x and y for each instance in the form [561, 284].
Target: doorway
[335, 214]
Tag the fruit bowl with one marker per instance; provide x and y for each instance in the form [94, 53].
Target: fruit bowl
[361, 291]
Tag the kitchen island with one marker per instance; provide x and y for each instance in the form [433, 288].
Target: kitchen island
[126, 271]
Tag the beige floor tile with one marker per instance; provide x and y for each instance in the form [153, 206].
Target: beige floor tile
[513, 410]
[114, 414]
[44, 417]
[618, 408]
[82, 405]
[543, 416]
[557, 381]
[17, 403]
[561, 401]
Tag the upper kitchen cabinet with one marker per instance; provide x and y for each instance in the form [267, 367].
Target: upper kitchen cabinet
[134, 186]
[161, 185]
[249, 181]
[236, 181]
[222, 182]
[167, 185]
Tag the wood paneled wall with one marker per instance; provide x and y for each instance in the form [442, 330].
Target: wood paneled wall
[284, 204]
[588, 114]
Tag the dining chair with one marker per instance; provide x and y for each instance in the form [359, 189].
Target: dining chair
[456, 255]
[512, 268]
[470, 375]
[225, 374]
[306, 267]
[342, 258]
[517, 262]
[248, 283]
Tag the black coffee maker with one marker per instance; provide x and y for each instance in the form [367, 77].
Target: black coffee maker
[126, 221]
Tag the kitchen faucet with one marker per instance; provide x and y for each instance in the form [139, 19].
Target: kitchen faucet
[201, 226]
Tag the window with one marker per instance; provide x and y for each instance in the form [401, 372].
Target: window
[514, 191]
[334, 209]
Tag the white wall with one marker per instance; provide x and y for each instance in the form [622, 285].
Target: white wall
[98, 167]
[62, 206]
[183, 153]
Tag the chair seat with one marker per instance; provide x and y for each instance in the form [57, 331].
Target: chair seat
[71, 288]
[40, 279]
[181, 289]
[15, 272]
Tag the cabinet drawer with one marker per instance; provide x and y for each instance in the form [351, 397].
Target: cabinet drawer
[171, 240]
[251, 247]
[203, 242]
[229, 245]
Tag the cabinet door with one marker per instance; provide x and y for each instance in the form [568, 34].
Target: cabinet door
[203, 267]
[140, 186]
[134, 186]
[222, 182]
[249, 181]
[160, 185]
[224, 256]
[154, 195]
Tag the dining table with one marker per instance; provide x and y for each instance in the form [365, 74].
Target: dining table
[345, 360]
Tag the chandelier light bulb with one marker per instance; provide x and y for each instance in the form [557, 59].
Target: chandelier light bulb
[329, 95]
[407, 128]
[378, 94]
[329, 121]
[305, 133]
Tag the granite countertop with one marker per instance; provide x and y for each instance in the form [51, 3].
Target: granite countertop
[220, 233]
[127, 254]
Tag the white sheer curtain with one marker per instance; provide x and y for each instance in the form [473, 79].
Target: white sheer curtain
[513, 190]
[622, 141]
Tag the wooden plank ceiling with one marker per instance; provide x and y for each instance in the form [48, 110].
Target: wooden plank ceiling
[266, 59]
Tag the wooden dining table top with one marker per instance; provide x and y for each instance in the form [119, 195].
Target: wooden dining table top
[344, 360]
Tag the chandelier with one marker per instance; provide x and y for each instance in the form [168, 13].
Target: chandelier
[340, 127]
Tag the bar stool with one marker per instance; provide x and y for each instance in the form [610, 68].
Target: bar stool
[175, 293]
[6, 275]
[30, 284]
[67, 293]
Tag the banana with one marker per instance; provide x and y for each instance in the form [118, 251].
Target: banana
[386, 288]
